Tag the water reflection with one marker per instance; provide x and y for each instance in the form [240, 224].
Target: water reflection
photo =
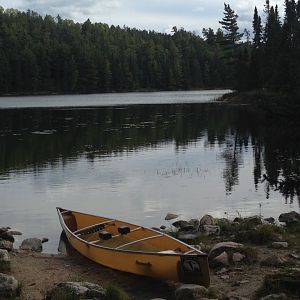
[34, 139]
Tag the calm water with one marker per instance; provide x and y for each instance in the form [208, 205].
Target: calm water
[163, 153]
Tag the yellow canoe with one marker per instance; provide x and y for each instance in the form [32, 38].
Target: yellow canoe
[134, 249]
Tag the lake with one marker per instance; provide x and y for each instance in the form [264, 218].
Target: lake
[138, 156]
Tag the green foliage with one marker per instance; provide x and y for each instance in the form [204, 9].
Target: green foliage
[229, 23]
[286, 282]
[251, 230]
[61, 294]
[113, 292]
[250, 253]
[261, 234]
[4, 266]
[275, 60]
[46, 55]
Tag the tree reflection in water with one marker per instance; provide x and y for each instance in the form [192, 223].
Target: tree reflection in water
[35, 138]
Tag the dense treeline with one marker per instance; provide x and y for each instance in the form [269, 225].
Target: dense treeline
[273, 62]
[52, 55]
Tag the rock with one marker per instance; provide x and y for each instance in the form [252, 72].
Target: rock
[238, 257]
[14, 232]
[190, 291]
[180, 224]
[170, 216]
[207, 220]
[221, 247]
[85, 290]
[273, 261]
[156, 228]
[290, 217]
[4, 256]
[188, 237]
[45, 240]
[224, 277]
[4, 229]
[8, 245]
[195, 223]
[281, 296]
[295, 256]
[7, 236]
[9, 286]
[162, 227]
[279, 245]
[270, 220]
[210, 229]
[4, 260]
[222, 271]
[32, 244]
[221, 260]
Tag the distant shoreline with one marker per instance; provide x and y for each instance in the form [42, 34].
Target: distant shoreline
[110, 92]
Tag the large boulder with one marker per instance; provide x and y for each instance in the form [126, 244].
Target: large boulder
[84, 290]
[32, 244]
[190, 291]
[9, 287]
[217, 249]
[7, 245]
[221, 260]
[7, 236]
[207, 220]
[4, 229]
[290, 217]
[180, 223]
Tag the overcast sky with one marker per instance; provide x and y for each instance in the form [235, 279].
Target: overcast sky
[158, 15]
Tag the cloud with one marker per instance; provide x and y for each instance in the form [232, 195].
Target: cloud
[156, 15]
[79, 10]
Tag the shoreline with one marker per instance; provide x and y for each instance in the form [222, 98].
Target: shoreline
[242, 254]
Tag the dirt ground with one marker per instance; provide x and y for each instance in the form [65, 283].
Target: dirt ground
[38, 273]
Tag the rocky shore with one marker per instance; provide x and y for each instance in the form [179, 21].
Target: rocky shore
[250, 258]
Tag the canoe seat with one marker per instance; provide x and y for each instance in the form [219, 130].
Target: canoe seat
[104, 235]
[123, 230]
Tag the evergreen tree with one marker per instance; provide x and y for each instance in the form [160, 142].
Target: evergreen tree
[229, 24]
[257, 29]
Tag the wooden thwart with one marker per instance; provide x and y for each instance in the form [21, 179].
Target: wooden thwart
[117, 235]
[140, 240]
[92, 226]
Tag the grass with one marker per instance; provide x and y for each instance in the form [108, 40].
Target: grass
[113, 292]
[249, 230]
[250, 253]
[4, 266]
[287, 282]
[61, 294]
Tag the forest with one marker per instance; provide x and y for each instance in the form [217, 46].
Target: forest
[51, 55]
[54, 55]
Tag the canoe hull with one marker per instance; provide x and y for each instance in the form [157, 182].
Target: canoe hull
[157, 265]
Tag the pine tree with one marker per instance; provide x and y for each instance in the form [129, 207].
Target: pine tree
[257, 29]
[229, 23]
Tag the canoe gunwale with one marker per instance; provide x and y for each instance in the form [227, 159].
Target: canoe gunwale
[90, 244]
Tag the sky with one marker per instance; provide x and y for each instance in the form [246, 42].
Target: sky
[158, 15]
